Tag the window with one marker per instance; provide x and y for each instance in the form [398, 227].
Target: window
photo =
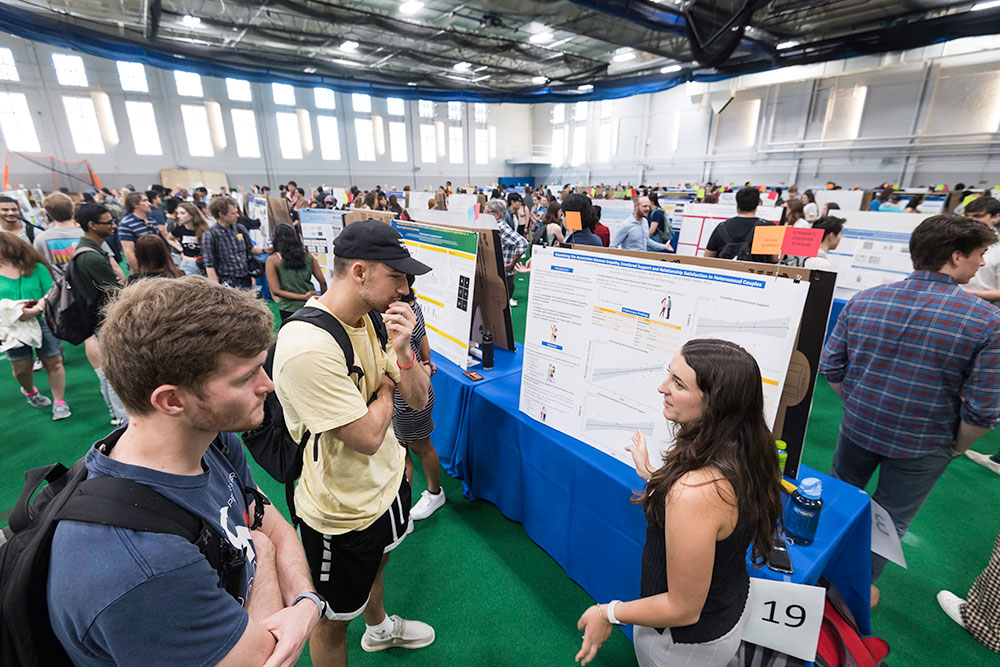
[455, 144]
[132, 77]
[283, 94]
[288, 135]
[607, 108]
[397, 142]
[396, 106]
[8, 70]
[558, 113]
[364, 134]
[454, 111]
[604, 142]
[69, 70]
[579, 153]
[15, 123]
[481, 112]
[482, 145]
[425, 108]
[245, 129]
[493, 142]
[379, 130]
[83, 125]
[580, 112]
[142, 122]
[428, 143]
[188, 84]
[558, 146]
[239, 90]
[325, 100]
[329, 137]
[361, 103]
[199, 137]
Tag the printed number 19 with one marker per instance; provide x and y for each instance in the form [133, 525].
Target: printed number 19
[795, 612]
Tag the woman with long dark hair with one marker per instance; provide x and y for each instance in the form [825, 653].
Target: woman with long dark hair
[717, 493]
[290, 270]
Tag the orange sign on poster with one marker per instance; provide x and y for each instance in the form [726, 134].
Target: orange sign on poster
[767, 240]
[573, 220]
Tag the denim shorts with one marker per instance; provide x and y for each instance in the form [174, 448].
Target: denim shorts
[51, 347]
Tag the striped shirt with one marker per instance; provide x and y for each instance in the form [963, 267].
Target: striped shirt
[132, 227]
[915, 357]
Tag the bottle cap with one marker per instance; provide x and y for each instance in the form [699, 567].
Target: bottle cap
[811, 487]
[781, 444]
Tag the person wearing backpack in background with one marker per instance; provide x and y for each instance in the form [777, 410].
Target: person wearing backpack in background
[127, 597]
[733, 238]
[353, 497]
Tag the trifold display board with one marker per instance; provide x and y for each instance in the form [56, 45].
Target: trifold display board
[700, 220]
[603, 325]
[320, 227]
[874, 250]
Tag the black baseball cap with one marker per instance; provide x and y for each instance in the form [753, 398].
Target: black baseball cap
[375, 240]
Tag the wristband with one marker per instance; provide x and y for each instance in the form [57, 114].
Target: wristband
[413, 360]
[612, 619]
[321, 603]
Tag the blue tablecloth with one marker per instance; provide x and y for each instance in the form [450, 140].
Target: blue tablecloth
[838, 305]
[452, 395]
[574, 502]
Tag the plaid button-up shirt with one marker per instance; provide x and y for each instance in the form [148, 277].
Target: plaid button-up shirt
[225, 249]
[915, 357]
[512, 244]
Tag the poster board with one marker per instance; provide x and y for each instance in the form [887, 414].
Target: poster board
[320, 227]
[358, 214]
[188, 179]
[848, 200]
[594, 357]
[700, 220]
[447, 293]
[614, 212]
[490, 303]
[874, 250]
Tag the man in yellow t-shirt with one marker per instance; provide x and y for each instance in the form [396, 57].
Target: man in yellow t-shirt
[352, 497]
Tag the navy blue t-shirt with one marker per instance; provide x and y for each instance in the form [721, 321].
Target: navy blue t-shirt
[121, 597]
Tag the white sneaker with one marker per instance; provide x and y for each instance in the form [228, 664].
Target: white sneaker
[983, 460]
[513, 304]
[405, 634]
[427, 505]
[952, 606]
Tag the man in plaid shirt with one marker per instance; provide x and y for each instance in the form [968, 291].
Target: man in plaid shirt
[512, 244]
[917, 364]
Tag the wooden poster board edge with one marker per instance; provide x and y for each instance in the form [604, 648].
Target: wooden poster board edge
[359, 214]
[277, 213]
[792, 418]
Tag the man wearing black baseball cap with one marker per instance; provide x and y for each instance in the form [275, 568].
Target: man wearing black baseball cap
[352, 497]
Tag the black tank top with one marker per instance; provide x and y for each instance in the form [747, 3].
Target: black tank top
[727, 594]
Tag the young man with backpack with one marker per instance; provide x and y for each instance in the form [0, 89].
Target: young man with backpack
[733, 238]
[352, 497]
[189, 379]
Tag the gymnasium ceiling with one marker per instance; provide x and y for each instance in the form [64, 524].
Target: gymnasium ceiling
[495, 50]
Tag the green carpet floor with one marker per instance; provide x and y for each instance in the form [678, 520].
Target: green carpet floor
[495, 598]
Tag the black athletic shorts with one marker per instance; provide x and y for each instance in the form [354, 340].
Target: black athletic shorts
[344, 566]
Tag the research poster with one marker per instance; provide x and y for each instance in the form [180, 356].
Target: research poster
[320, 227]
[256, 209]
[874, 250]
[445, 294]
[601, 331]
[700, 220]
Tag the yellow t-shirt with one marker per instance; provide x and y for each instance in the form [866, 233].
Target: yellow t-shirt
[344, 490]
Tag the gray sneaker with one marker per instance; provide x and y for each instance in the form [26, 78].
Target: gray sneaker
[37, 400]
[405, 634]
[60, 411]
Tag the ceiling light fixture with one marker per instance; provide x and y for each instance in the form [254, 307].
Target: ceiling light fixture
[979, 6]
[191, 21]
[585, 88]
[541, 38]
[462, 67]
[669, 69]
[411, 7]
[624, 57]
[787, 45]
[349, 46]
[539, 80]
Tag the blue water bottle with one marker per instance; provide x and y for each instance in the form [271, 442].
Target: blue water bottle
[802, 511]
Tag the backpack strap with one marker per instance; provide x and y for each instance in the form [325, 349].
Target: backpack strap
[111, 501]
[379, 326]
[724, 233]
[330, 324]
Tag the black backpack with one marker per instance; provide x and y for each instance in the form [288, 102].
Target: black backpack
[270, 444]
[735, 248]
[26, 635]
[71, 304]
